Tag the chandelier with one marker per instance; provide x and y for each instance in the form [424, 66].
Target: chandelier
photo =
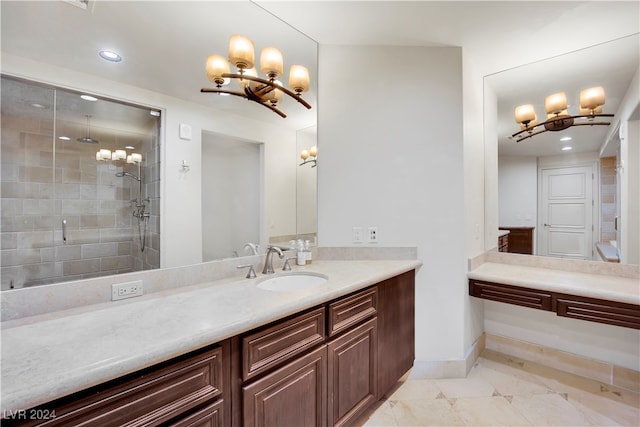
[309, 156]
[558, 117]
[268, 91]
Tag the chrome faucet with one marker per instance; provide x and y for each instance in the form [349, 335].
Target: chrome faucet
[268, 262]
[254, 248]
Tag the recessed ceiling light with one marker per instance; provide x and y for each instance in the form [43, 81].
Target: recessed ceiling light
[64, 138]
[89, 98]
[129, 147]
[567, 148]
[110, 55]
[36, 105]
[565, 138]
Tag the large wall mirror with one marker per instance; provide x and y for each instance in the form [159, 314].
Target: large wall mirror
[164, 47]
[571, 193]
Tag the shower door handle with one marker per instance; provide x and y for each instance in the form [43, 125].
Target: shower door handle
[64, 231]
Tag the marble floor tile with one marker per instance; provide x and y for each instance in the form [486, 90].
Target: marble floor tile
[474, 385]
[435, 412]
[550, 409]
[489, 411]
[502, 390]
[416, 389]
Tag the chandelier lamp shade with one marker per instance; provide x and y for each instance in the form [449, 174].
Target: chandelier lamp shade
[267, 91]
[558, 117]
[309, 156]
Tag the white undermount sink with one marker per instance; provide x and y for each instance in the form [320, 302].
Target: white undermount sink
[296, 281]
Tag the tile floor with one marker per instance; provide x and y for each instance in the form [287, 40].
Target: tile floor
[502, 390]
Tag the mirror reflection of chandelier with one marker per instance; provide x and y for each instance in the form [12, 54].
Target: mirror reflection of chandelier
[266, 92]
[558, 117]
[309, 156]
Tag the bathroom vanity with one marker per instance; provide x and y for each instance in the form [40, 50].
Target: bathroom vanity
[590, 297]
[314, 357]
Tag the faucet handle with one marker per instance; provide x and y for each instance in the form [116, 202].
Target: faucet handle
[287, 266]
[251, 274]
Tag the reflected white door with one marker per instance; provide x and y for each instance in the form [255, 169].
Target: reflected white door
[566, 212]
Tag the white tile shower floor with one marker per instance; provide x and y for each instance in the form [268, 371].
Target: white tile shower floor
[502, 390]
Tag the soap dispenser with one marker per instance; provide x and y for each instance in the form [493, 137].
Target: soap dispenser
[307, 252]
[301, 257]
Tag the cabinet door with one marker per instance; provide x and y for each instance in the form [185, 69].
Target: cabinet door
[396, 329]
[352, 373]
[293, 396]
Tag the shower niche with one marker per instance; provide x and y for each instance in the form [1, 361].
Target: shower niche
[80, 191]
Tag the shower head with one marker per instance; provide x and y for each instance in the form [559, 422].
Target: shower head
[123, 174]
[87, 140]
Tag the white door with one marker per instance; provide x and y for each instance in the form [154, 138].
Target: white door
[566, 212]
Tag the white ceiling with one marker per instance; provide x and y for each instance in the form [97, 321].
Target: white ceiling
[165, 43]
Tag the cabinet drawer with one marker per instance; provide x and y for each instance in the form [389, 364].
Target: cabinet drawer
[210, 416]
[511, 294]
[609, 312]
[153, 397]
[281, 342]
[348, 311]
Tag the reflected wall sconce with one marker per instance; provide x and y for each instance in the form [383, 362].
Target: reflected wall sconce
[309, 156]
[266, 92]
[558, 117]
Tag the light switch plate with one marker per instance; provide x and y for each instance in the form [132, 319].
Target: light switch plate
[185, 132]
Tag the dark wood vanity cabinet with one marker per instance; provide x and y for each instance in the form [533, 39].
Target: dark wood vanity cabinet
[503, 243]
[325, 366]
[396, 329]
[190, 390]
[368, 346]
[520, 240]
[564, 305]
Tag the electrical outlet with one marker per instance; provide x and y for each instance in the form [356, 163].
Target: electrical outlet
[372, 235]
[356, 235]
[126, 290]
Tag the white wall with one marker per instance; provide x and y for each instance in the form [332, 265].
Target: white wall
[517, 191]
[180, 221]
[474, 188]
[231, 187]
[392, 157]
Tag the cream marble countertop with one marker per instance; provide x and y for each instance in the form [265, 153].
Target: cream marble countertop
[600, 286]
[48, 356]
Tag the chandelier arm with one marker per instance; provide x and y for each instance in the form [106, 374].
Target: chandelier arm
[269, 83]
[255, 98]
[592, 124]
[531, 134]
[228, 92]
[529, 129]
[587, 116]
[246, 96]
[590, 116]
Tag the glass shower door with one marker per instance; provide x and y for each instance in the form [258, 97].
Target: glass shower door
[29, 209]
[80, 186]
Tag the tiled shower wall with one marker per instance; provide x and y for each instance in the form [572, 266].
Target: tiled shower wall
[608, 200]
[43, 185]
